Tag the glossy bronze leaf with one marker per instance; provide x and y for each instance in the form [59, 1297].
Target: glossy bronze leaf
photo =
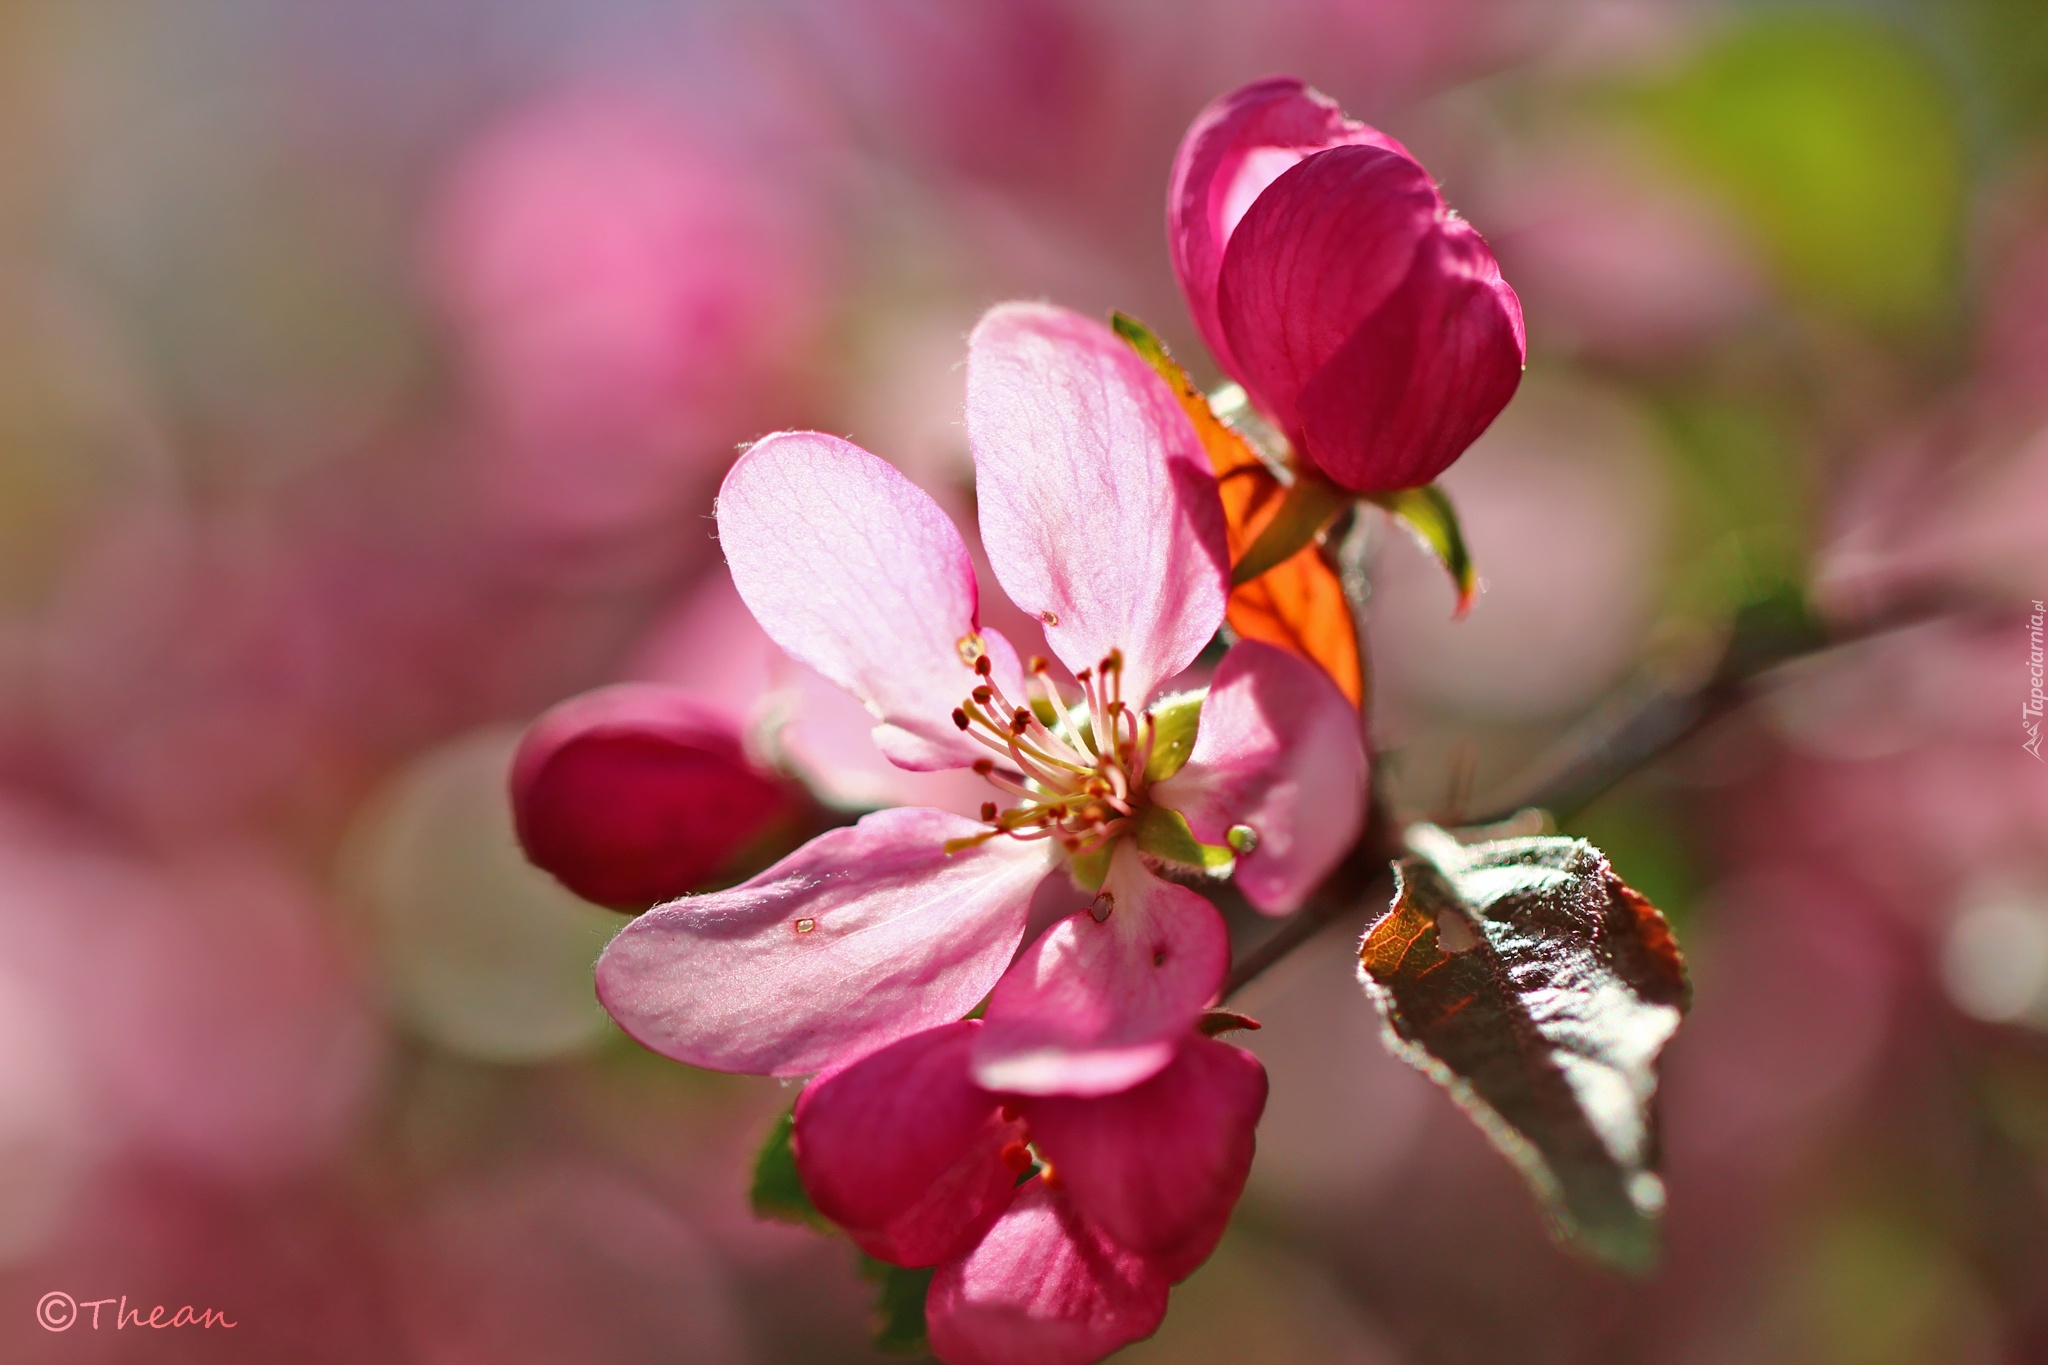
[1529, 981]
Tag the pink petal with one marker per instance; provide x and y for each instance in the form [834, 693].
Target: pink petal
[904, 1151]
[1042, 1288]
[1419, 382]
[862, 936]
[854, 570]
[1098, 508]
[1234, 149]
[1280, 751]
[1326, 244]
[637, 793]
[1091, 1008]
[1159, 1167]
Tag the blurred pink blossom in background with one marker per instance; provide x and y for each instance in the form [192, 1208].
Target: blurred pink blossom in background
[367, 373]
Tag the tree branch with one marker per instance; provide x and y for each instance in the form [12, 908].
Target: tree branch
[1642, 725]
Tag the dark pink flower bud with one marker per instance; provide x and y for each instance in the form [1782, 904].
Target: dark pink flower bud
[1330, 279]
[637, 793]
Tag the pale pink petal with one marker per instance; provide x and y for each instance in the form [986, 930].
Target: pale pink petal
[862, 936]
[1098, 508]
[1280, 752]
[1159, 1167]
[1418, 383]
[854, 570]
[1092, 1008]
[904, 1151]
[636, 793]
[1042, 1288]
[1234, 149]
[1327, 243]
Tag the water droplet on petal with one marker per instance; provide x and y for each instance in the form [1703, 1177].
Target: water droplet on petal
[970, 648]
[1051, 618]
[1243, 840]
[1099, 909]
[805, 925]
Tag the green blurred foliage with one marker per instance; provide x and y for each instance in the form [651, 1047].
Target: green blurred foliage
[2006, 45]
[1878, 1289]
[1841, 147]
[1745, 500]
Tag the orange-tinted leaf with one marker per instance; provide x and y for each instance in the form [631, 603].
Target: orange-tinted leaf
[1299, 521]
[1300, 607]
[1298, 604]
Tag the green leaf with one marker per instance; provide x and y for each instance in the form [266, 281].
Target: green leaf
[778, 1194]
[1428, 513]
[899, 1306]
[1149, 348]
[1534, 985]
[1165, 834]
[1303, 513]
[1841, 145]
[1175, 722]
[1091, 870]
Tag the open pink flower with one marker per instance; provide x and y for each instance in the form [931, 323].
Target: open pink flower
[1328, 277]
[1101, 517]
[921, 1166]
[636, 793]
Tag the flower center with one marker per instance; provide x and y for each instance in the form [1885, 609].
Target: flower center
[1076, 772]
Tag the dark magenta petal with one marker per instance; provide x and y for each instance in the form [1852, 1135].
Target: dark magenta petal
[1233, 150]
[1042, 1287]
[1424, 376]
[904, 1151]
[1366, 319]
[1316, 256]
[1159, 1167]
[637, 793]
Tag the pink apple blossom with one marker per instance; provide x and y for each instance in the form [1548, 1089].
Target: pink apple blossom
[1100, 516]
[1127, 1193]
[1329, 278]
[635, 793]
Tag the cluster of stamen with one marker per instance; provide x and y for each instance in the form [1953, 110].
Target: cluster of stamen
[1078, 779]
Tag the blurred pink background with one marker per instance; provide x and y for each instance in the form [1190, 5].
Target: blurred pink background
[366, 371]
